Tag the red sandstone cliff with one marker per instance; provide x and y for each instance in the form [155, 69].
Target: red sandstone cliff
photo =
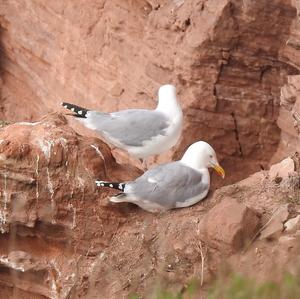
[228, 59]
[60, 238]
[235, 64]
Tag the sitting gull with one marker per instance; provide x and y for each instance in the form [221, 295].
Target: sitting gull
[174, 185]
[142, 133]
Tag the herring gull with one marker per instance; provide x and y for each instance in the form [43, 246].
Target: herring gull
[173, 185]
[141, 132]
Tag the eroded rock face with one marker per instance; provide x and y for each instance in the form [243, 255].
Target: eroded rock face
[292, 224]
[60, 238]
[223, 56]
[229, 226]
[33, 157]
[282, 170]
[289, 117]
[228, 59]
[275, 226]
[50, 209]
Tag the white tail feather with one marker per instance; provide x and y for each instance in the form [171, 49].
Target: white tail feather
[117, 199]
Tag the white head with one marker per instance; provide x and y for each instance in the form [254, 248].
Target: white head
[201, 155]
[167, 97]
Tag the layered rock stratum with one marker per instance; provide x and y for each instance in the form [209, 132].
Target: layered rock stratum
[236, 68]
[61, 238]
[228, 60]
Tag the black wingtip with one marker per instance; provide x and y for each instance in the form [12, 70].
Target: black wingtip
[113, 185]
[79, 111]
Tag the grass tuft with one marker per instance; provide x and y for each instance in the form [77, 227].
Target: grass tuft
[235, 287]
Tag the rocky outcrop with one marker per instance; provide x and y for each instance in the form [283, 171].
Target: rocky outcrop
[223, 56]
[51, 212]
[275, 225]
[229, 225]
[61, 238]
[289, 117]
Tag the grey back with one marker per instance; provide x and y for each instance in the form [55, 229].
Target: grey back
[130, 127]
[174, 183]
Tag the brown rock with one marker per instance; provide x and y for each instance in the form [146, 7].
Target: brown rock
[51, 212]
[229, 225]
[46, 169]
[228, 59]
[28, 272]
[287, 241]
[292, 224]
[20, 261]
[115, 54]
[283, 169]
[59, 228]
[274, 227]
[289, 117]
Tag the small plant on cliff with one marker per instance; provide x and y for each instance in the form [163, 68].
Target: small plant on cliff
[3, 123]
[187, 292]
[239, 287]
[236, 287]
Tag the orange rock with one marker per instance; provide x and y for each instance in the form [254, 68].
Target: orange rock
[48, 174]
[228, 60]
[292, 224]
[274, 227]
[282, 170]
[229, 225]
[115, 54]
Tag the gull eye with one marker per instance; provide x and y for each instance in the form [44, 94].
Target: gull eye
[211, 156]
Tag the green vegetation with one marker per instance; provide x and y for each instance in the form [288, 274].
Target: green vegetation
[187, 292]
[3, 123]
[236, 287]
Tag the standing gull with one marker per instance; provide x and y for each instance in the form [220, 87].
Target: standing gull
[174, 185]
[142, 133]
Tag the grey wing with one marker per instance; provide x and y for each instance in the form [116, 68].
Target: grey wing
[169, 184]
[129, 127]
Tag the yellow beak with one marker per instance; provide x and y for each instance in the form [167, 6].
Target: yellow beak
[220, 171]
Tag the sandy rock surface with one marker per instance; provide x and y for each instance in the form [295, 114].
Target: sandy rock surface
[229, 225]
[228, 60]
[61, 238]
[236, 68]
